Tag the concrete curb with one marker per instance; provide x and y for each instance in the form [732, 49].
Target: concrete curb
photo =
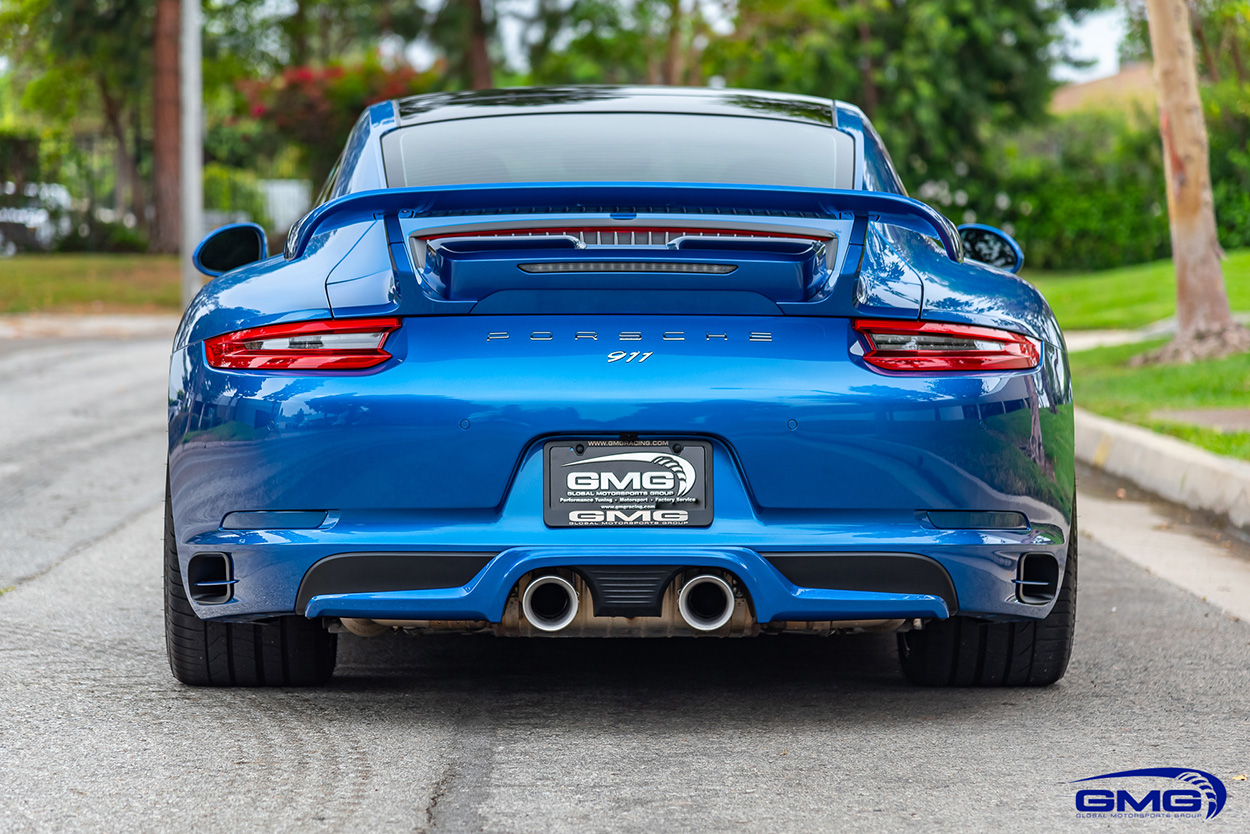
[1170, 468]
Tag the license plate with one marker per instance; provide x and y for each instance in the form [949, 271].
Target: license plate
[636, 483]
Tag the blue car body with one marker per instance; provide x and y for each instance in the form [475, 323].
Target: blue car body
[415, 490]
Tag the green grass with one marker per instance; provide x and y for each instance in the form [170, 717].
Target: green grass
[1105, 384]
[89, 283]
[1131, 296]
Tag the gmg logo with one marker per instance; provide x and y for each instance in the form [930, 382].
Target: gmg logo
[1200, 791]
[673, 473]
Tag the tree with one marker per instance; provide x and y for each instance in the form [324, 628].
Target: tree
[480, 72]
[938, 77]
[166, 129]
[1221, 29]
[607, 42]
[1205, 325]
[87, 62]
[313, 108]
[462, 32]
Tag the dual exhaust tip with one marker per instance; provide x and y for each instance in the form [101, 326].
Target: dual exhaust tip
[549, 603]
[705, 602]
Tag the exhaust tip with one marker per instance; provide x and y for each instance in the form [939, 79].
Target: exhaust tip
[706, 602]
[549, 603]
[210, 577]
[1037, 582]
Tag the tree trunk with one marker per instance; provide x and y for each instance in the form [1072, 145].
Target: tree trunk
[481, 76]
[123, 189]
[674, 59]
[694, 61]
[325, 35]
[297, 32]
[140, 203]
[868, 84]
[1205, 326]
[1208, 57]
[869, 102]
[127, 169]
[1234, 49]
[166, 130]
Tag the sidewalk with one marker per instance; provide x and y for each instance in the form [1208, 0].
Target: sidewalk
[93, 326]
[1079, 340]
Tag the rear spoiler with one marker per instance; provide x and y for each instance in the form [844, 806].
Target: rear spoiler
[627, 199]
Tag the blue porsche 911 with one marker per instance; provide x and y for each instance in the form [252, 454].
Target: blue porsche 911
[618, 362]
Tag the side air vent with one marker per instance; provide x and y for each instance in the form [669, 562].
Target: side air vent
[210, 576]
[1038, 580]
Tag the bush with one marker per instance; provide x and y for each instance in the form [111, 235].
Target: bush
[1087, 190]
[239, 143]
[103, 237]
[19, 155]
[1227, 108]
[233, 191]
[315, 107]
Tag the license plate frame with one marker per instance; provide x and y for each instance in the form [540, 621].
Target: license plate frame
[636, 483]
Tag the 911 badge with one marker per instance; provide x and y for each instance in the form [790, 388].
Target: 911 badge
[636, 483]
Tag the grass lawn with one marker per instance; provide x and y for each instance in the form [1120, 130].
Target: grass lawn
[1131, 296]
[1106, 385]
[89, 283]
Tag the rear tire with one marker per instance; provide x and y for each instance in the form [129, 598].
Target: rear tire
[962, 651]
[288, 651]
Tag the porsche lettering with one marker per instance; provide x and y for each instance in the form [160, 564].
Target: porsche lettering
[633, 336]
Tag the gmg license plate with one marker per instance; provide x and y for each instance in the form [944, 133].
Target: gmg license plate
[636, 483]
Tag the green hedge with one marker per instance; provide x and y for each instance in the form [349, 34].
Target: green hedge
[233, 190]
[1087, 190]
[1228, 123]
[19, 155]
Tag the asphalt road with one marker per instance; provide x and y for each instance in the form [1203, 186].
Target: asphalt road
[783, 734]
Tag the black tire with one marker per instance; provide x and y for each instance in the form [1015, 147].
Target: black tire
[962, 651]
[286, 651]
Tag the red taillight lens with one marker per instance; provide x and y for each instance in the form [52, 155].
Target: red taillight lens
[935, 346]
[347, 345]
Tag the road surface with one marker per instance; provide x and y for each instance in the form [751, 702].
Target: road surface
[781, 734]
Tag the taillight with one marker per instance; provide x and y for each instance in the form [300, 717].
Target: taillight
[935, 346]
[341, 345]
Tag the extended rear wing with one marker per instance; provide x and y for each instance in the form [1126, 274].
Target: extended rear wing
[625, 200]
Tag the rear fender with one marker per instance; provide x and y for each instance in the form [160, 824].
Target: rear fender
[271, 291]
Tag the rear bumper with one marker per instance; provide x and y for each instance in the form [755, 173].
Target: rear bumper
[772, 596]
[920, 571]
[498, 547]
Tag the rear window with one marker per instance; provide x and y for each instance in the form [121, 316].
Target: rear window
[619, 147]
